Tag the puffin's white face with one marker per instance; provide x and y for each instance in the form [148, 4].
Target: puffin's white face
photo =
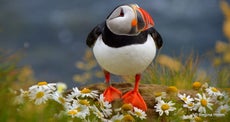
[129, 20]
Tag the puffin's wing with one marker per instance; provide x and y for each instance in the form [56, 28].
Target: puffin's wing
[156, 37]
[93, 35]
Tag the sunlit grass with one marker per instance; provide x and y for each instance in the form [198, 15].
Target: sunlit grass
[173, 71]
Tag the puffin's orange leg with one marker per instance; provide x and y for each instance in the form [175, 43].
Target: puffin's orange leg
[133, 97]
[110, 93]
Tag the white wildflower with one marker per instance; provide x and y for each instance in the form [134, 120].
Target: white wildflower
[73, 95]
[61, 87]
[97, 112]
[20, 99]
[77, 110]
[117, 118]
[186, 99]
[159, 95]
[192, 118]
[189, 105]
[203, 102]
[43, 85]
[164, 107]
[39, 95]
[138, 113]
[105, 106]
[212, 91]
[223, 99]
[222, 110]
[89, 93]
[58, 97]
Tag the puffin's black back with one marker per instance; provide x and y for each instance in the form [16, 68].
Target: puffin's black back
[94, 34]
[156, 37]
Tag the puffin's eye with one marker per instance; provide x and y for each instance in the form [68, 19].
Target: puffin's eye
[121, 13]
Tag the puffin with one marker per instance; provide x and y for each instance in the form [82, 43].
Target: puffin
[124, 44]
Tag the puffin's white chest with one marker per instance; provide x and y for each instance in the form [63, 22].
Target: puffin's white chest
[127, 60]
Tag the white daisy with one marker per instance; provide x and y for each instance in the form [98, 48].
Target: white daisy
[164, 107]
[223, 98]
[73, 95]
[83, 102]
[203, 102]
[187, 117]
[138, 113]
[192, 118]
[222, 110]
[39, 95]
[44, 86]
[61, 87]
[212, 91]
[117, 118]
[189, 105]
[186, 99]
[159, 95]
[77, 110]
[20, 99]
[97, 112]
[58, 97]
[105, 106]
[89, 93]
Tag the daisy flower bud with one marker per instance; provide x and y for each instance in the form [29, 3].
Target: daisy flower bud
[196, 85]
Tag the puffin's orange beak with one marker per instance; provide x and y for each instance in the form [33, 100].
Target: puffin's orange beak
[147, 18]
[144, 20]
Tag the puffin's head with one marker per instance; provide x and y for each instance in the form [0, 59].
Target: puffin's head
[129, 20]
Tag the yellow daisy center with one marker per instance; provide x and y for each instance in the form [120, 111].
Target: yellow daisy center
[72, 112]
[172, 89]
[26, 93]
[84, 102]
[61, 87]
[184, 99]
[42, 83]
[127, 107]
[138, 113]
[158, 94]
[203, 102]
[39, 95]
[165, 107]
[214, 89]
[61, 99]
[196, 85]
[190, 104]
[223, 111]
[198, 119]
[128, 118]
[85, 91]
[78, 109]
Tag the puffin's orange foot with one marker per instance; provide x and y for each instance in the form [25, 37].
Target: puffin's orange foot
[135, 98]
[111, 93]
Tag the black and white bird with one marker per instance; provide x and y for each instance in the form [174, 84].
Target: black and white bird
[125, 44]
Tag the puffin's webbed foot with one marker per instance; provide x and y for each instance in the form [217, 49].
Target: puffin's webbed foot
[134, 97]
[111, 93]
